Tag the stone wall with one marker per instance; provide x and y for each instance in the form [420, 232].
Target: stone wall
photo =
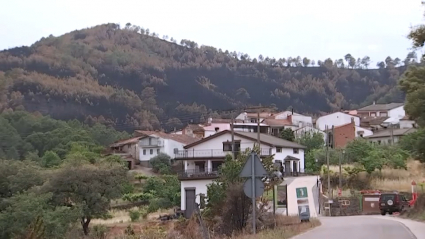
[340, 208]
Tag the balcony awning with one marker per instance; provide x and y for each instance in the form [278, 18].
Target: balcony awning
[291, 158]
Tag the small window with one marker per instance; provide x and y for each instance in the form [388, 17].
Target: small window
[296, 151]
[253, 120]
[144, 152]
[151, 151]
[278, 150]
[379, 141]
[227, 147]
[157, 151]
[389, 141]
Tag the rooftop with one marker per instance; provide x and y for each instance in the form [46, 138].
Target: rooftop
[264, 139]
[181, 138]
[387, 133]
[381, 107]
[125, 142]
[277, 122]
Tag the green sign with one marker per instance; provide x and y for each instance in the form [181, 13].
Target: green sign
[302, 192]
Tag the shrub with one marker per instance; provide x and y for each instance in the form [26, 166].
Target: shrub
[134, 215]
[100, 231]
[161, 162]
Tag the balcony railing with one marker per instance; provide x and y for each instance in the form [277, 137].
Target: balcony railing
[212, 153]
[198, 173]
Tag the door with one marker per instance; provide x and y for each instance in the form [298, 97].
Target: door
[190, 202]
[288, 168]
[295, 168]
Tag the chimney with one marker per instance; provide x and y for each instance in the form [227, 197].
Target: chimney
[216, 129]
[209, 120]
[292, 111]
[373, 102]
[352, 120]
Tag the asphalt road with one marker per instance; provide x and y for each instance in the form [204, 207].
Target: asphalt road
[358, 227]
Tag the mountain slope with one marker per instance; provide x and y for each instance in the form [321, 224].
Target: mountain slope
[129, 78]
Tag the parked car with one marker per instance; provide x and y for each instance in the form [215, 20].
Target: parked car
[392, 202]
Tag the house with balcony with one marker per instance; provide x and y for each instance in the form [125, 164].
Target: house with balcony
[394, 111]
[202, 159]
[152, 143]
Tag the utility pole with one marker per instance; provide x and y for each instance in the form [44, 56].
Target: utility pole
[233, 136]
[327, 161]
[258, 130]
[340, 170]
[392, 133]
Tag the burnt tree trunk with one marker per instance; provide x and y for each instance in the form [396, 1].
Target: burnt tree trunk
[85, 221]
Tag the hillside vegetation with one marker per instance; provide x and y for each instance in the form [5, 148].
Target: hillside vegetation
[130, 78]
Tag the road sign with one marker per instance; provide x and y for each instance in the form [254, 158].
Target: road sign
[301, 192]
[259, 170]
[253, 187]
[259, 187]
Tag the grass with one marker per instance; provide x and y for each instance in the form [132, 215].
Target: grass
[287, 227]
[393, 179]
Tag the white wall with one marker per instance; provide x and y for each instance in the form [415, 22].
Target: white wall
[290, 152]
[284, 115]
[398, 112]
[366, 132]
[215, 146]
[407, 124]
[167, 147]
[335, 119]
[200, 185]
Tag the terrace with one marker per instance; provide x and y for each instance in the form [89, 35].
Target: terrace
[212, 153]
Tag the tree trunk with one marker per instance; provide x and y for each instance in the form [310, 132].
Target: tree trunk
[85, 223]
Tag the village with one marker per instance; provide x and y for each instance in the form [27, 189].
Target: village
[198, 150]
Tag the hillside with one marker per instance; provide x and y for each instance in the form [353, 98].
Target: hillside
[130, 78]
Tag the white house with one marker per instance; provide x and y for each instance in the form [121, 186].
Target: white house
[392, 110]
[151, 143]
[296, 119]
[389, 136]
[202, 159]
[336, 119]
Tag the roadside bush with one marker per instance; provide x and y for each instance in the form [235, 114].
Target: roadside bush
[161, 163]
[134, 215]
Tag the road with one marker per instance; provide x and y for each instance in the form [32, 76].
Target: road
[357, 227]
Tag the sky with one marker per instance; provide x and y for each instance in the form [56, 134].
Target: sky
[316, 29]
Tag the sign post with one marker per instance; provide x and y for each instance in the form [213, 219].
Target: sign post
[253, 187]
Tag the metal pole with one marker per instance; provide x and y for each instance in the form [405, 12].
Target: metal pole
[327, 162]
[340, 171]
[254, 206]
[233, 137]
[274, 201]
[392, 133]
[258, 130]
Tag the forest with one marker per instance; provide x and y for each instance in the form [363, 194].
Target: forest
[129, 77]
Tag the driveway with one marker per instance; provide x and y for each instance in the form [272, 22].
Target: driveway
[358, 227]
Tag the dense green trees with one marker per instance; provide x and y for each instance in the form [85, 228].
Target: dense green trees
[24, 135]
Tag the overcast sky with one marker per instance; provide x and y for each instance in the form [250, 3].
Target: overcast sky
[317, 29]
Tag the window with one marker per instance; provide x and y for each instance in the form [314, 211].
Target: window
[227, 146]
[296, 151]
[253, 120]
[389, 141]
[158, 151]
[379, 141]
[150, 141]
[278, 150]
[151, 151]
[144, 152]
